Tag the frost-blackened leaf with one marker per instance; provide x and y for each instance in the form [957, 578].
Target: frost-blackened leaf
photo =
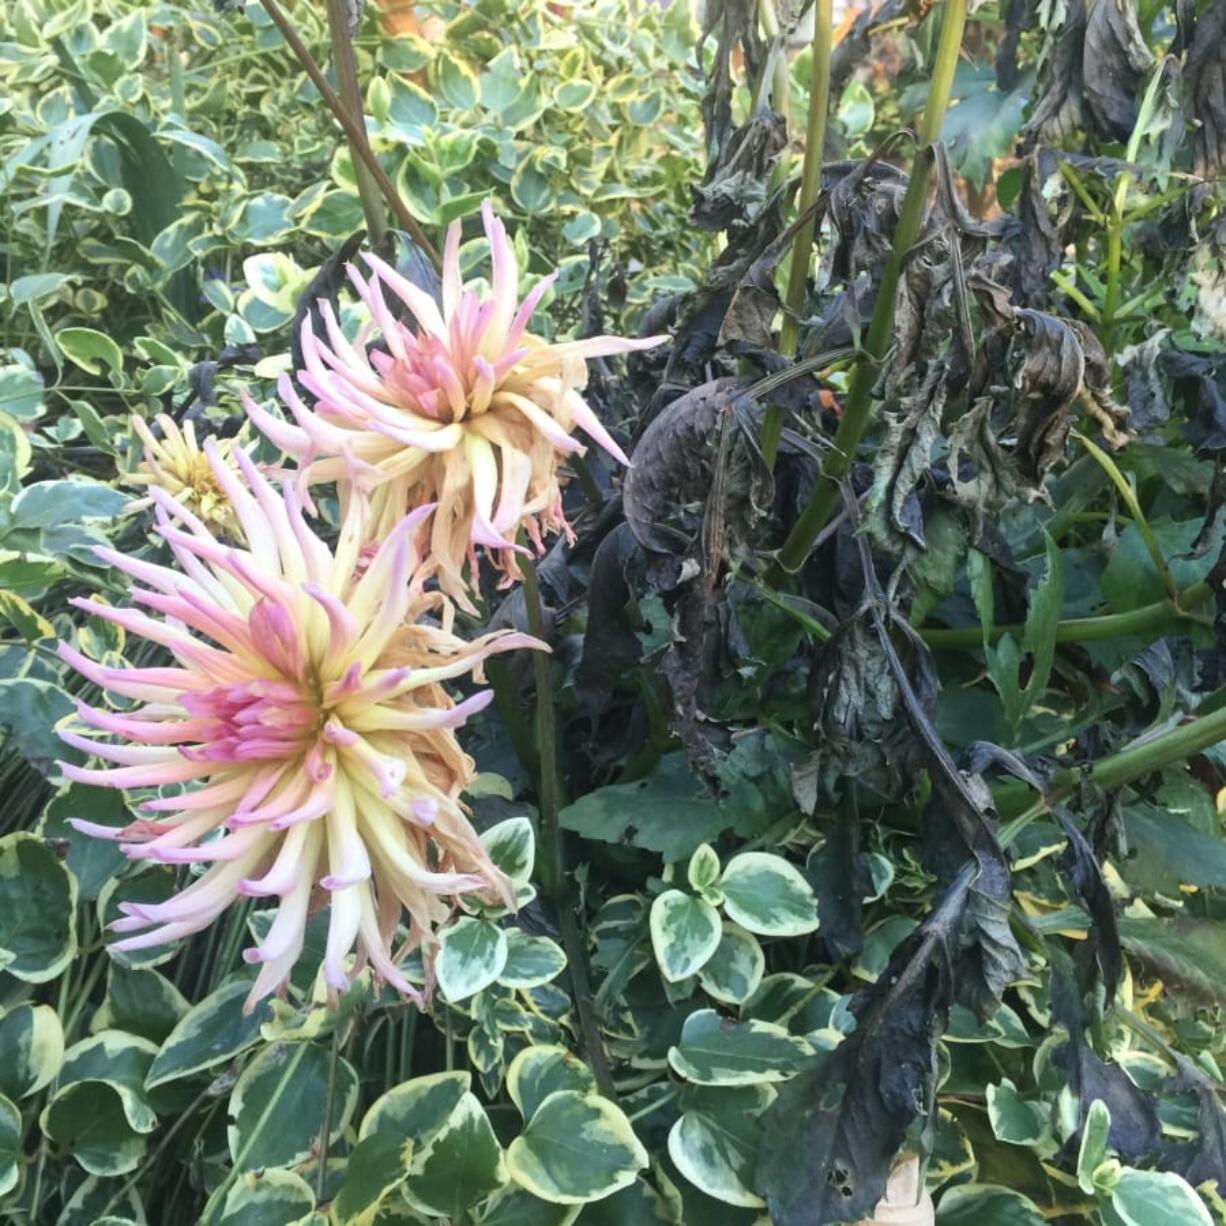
[983, 474]
[1040, 242]
[1200, 388]
[1053, 366]
[735, 187]
[958, 822]
[1143, 384]
[1115, 63]
[326, 284]
[892, 512]
[1204, 78]
[856, 708]
[1058, 106]
[610, 645]
[666, 489]
[1084, 873]
[1135, 1133]
[1202, 1160]
[849, 1114]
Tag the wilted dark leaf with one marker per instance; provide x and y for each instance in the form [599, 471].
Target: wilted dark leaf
[983, 475]
[1204, 77]
[1019, 16]
[1042, 213]
[1143, 384]
[1199, 385]
[849, 1115]
[1114, 67]
[1058, 101]
[1202, 1160]
[857, 711]
[610, 645]
[1134, 1113]
[958, 822]
[892, 513]
[734, 188]
[666, 490]
[841, 882]
[738, 26]
[1053, 365]
[1080, 865]
[327, 284]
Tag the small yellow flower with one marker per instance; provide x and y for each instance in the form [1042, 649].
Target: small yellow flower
[176, 464]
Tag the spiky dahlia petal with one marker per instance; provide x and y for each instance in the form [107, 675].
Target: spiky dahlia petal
[305, 712]
[465, 408]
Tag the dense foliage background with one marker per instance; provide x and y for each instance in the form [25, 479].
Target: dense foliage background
[1004, 651]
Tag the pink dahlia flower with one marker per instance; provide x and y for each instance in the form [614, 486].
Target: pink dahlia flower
[304, 709]
[465, 409]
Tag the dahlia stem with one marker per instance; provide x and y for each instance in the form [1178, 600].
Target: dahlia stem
[355, 133]
[1142, 757]
[551, 859]
[550, 865]
[810, 186]
[858, 408]
[1083, 629]
[345, 64]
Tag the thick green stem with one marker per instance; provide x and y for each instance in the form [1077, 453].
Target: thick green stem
[1083, 629]
[550, 858]
[810, 186]
[355, 133]
[1137, 760]
[346, 65]
[550, 864]
[857, 411]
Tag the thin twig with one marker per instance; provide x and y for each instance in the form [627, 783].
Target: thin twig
[346, 66]
[355, 132]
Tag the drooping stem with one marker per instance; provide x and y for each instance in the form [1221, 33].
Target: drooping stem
[346, 65]
[810, 186]
[551, 859]
[857, 411]
[354, 132]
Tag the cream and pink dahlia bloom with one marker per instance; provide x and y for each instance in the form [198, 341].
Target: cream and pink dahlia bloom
[301, 740]
[176, 464]
[466, 409]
